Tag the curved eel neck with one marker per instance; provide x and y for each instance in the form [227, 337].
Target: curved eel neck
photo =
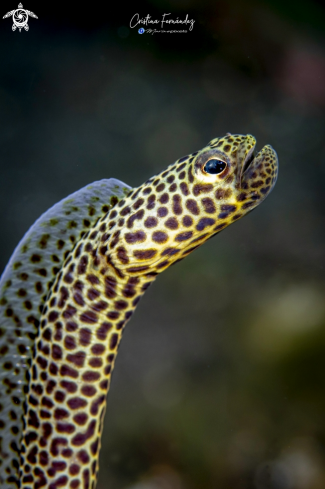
[69, 378]
[98, 288]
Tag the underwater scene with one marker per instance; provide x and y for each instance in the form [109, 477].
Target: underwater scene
[220, 378]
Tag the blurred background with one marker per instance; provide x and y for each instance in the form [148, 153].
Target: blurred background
[220, 378]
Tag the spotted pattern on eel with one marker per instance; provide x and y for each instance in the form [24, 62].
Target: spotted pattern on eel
[73, 283]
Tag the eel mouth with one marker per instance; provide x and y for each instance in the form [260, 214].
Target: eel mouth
[260, 166]
[248, 160]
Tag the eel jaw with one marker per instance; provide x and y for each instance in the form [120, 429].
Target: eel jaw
[248, 160]
[260, 171]
[246, 164]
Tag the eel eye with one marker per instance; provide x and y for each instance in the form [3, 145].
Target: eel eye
[214, 166]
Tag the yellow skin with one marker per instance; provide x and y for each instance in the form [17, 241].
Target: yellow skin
[99, 286]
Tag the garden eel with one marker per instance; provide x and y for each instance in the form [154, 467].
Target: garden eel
[75, 280]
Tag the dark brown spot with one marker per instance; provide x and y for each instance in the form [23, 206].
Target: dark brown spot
[247, 205]
[187, 221]
[53, 316]
[94, 447]
[71, 326]
[164, 198]
[53, 369]
[223, 194]
[92, 279]
[124, 212]
[137, 216]
[76, 403]
[68, 278]
[92, 294]
[38, 287]
[69, 312]
[69, 342]
[113, 341]
[67, 371]
[113, 315]
[70, 387]
[170, 252]
[177, 206]
[78, 299]
[77, 359]
[151, 222]
[98, 349]
[204, 222]
[161, 187]
[64, 295]
[184, 158]
[47, 334]
[120, 305]
[89, 317]
[56, 352]
[80, 418]
[95, 362]
[200, 188]
[151, 202]
[257, 184]
[83, 456]
[34, 259]
[122, 255]
[226, 210]
[90, 376]
[21, 293]
[192, 206]
[162, 211]
[184, 236]
[136, 237]
[103, 249]
[159, 237]
[82, 266]
[138, 203]
[60, 414]
[43, 458]
[96, 404]
[208, 205]
[88, 390]
[220, 226]
[116, 236]
[108, 369]
[171, 223]
[184, 188]
[59, 396]
[28, 305]
[242, 196]
[145, 254]
[173, 187]
[103, 330]
[58, 331]
[86, 478]
[137, 269]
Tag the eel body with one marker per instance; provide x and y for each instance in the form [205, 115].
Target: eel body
[75, 280]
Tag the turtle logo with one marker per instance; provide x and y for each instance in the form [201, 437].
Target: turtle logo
[20, 18]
